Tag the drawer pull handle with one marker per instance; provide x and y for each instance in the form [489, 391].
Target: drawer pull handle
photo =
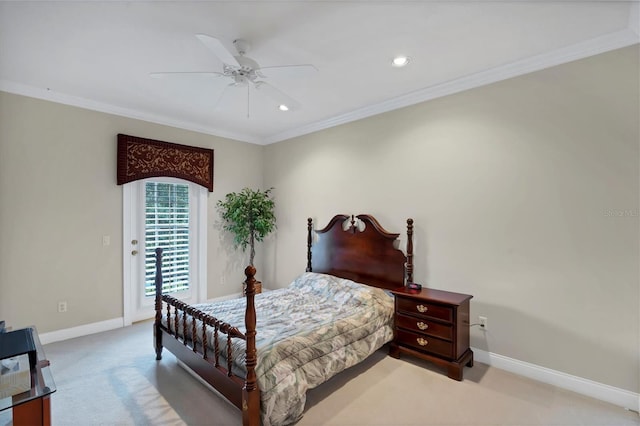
[422, 342]
[422, 308]
[422, 326]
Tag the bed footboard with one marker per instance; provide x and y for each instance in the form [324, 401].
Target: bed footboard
[183, 330]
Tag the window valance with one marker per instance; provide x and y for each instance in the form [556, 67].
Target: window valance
[140, 158]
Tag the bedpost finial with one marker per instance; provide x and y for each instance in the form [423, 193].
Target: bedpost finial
[250, 272]
[409, 264]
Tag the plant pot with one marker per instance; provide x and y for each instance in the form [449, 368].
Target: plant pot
[258, 287]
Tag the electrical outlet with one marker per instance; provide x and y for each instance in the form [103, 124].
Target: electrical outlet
[62, 306]
[483, 322]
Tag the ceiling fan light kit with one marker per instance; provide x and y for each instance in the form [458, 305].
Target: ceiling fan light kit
[246, 72]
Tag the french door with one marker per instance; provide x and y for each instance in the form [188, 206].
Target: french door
[171, 214]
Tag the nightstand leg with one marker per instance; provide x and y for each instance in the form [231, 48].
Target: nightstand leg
[454, 371]
[455, 368]
[394, 350]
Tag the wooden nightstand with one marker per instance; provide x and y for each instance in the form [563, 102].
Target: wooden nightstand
[433, 325]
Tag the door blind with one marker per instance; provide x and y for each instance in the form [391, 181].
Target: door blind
[167, 226]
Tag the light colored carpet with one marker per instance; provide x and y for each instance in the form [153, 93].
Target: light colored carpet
[112, 378]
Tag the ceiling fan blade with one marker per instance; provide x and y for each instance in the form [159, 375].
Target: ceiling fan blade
[218, 49]
[185, 73]
[288, 71]
[278, 96]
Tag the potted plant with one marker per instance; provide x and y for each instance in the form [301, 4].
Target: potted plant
[249, 216]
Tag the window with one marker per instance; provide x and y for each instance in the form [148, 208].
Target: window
[167, 226]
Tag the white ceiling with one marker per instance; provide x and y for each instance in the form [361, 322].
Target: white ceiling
[98, 55]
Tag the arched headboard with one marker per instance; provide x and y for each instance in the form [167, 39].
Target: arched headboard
[363, 252]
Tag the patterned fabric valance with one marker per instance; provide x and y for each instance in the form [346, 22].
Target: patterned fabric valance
[140, 158]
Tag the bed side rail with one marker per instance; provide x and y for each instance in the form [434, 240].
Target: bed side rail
[191, 326]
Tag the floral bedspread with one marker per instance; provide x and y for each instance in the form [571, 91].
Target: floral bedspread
[306, 333]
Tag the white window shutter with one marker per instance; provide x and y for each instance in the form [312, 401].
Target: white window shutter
[167, 226]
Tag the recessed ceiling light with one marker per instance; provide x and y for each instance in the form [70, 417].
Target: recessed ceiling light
[283, 107]
[400, 61]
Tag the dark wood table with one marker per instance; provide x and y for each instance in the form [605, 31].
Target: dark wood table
[33, 407]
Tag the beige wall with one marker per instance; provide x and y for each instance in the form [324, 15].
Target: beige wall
[512, 187]
[58, 197]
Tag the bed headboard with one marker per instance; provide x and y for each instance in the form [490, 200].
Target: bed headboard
[364, 252]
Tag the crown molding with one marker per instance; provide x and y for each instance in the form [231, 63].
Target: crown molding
[560, 56]
[62, 98]
[595, 46]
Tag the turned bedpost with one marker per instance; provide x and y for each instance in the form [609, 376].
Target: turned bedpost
[250, 392]
[158, 321]
[409, 250]
[309, 241]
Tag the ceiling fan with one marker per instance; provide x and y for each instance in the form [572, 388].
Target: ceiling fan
[243, 71]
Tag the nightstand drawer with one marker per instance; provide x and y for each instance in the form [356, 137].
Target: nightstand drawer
[425, 343]
[419, 307]
[424, 326]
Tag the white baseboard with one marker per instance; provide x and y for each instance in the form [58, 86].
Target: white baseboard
[81, 330]
[227, 297]
[611, 394]
[97, 327]
[233, 296]
[621, 397]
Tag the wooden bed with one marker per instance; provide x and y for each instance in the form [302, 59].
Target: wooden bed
[355, 248]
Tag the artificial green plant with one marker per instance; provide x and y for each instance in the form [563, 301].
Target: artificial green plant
[249, 216]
